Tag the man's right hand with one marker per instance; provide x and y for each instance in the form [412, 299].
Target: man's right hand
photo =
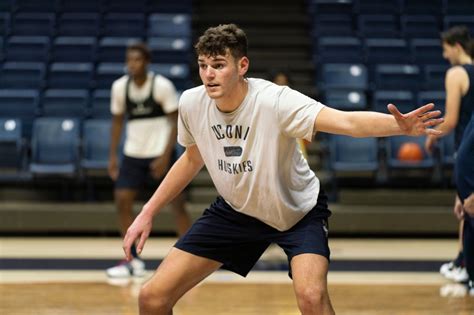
[113, 168]
[458, 209]
[140, 229]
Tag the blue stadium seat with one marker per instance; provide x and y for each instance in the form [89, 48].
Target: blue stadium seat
[21, 104]
[28, 48]
[79, 24]
[107, 73]
[434, 7]
[178, 73]
[397, 77]
[65, 103]
[124, 24]
[6, 5]
[404, 100]
[170, 50]
[339, 49]
[331, 7]
[345, 99]
[55, 146]
[377, 7]
[100, 104]
[427, 51]
[454, 20]
[35, 5]
[22, 75]
[96, 143]
[12, 149]
[83, 6]
[4, 24]
[33, 24]
[433, 76]
[1, 49]
[169, 25]
[182, 6]
[127, 6]
[352, 76]
[459, 7]
[436, 97]
[387, 50]
[378, 26]
[332, 25]
[420, 26]
[113, 49]
[70, 75]
[349, 154]
[393, 144]
[74, 49]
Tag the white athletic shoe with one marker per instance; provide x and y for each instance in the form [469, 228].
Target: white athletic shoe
[125, 269]
[453, 272]
[470, 286]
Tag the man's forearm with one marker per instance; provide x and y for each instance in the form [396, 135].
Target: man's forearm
[373, 124]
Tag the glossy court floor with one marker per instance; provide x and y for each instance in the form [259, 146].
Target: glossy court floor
[367, 276]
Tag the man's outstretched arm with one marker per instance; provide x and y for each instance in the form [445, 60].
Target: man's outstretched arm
[374, 124]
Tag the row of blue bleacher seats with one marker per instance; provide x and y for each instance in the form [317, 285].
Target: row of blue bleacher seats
[386, 25]
[354, 155]
[90, 49]
[96, 6]
[378, 50]
[59, 146]
[384, 77]
[58, 75]
[96, 24]
[406, 101]
[434, 7]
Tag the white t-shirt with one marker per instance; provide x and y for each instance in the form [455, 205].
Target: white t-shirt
[251, 153]
[145, 137]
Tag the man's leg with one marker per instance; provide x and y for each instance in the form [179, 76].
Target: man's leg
[178, 273]
[124, 199]
[182, 218]
[309, 273]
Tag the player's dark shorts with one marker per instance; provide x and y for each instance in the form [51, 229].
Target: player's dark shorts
[238, 240]
[135, 173]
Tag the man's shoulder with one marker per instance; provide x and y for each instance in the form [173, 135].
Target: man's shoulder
[120, 82]
[193, 95]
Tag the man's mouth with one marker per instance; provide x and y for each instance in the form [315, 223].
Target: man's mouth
[212, 85]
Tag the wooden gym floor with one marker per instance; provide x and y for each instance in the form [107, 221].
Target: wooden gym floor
[368, 276]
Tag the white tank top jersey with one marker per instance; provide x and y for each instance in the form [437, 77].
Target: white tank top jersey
[251, 153]
[145, 137]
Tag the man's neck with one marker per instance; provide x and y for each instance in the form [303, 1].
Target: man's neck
[233, 101]
[140, 80]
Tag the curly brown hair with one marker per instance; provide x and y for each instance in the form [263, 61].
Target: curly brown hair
[216, 40]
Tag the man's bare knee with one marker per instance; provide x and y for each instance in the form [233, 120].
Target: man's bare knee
[312, 300]
[154, 302]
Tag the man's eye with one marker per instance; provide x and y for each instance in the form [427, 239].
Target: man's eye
[219, 66]
[203, 67]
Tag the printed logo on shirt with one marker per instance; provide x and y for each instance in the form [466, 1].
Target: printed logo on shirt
[233, 151]
[141, 109]
[230, 132]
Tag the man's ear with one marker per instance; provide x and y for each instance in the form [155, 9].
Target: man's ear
[244, 63]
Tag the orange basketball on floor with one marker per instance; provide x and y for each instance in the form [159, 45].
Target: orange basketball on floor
[410, 152]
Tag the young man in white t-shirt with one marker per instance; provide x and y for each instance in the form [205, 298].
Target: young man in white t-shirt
[244, 131]
[148, 106]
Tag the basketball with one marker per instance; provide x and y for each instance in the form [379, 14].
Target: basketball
[410, 152]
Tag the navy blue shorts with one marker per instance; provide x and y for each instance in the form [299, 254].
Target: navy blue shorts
[134, 173]
[238, 240]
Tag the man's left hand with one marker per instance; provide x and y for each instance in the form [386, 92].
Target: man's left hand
[419, 121]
